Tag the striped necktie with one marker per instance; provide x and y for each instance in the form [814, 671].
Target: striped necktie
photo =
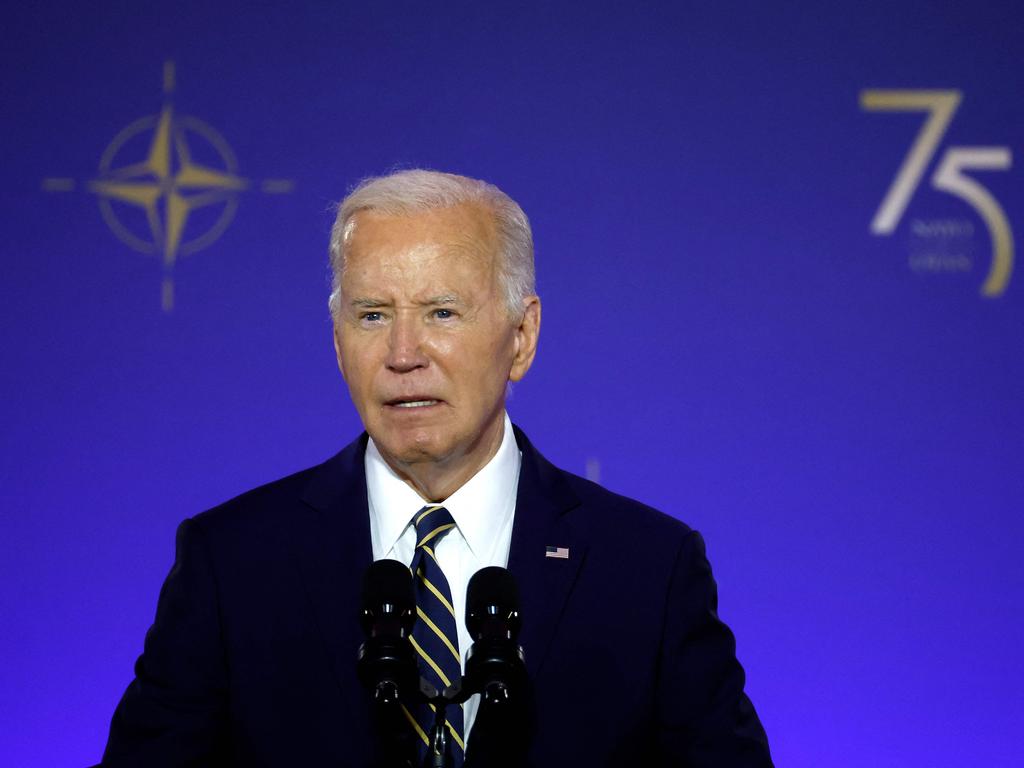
[435, 634]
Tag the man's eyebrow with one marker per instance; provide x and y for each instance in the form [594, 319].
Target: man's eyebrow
[447, 298]
[365, 302]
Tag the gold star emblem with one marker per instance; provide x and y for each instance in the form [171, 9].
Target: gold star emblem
[168, 185]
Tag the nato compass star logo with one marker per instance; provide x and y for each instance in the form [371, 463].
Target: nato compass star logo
[168, 185]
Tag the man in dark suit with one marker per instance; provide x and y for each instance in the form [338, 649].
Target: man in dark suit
[251, 659]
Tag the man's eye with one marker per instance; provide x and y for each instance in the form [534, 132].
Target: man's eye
[371, 317]
[443, 314]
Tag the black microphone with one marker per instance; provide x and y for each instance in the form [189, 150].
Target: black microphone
[387, 661]
[495, 665]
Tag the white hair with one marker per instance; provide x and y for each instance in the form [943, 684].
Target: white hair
[412, 191]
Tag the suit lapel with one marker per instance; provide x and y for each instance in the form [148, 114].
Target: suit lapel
[541, 521]
[333, 551]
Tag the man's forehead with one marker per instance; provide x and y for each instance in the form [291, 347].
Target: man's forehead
[462, 225]
[458, 241]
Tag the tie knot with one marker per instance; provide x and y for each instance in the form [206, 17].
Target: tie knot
[432, 524]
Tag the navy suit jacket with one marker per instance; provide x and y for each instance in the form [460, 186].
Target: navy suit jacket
[251, 659]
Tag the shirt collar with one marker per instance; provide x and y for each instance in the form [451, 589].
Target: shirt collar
[480, 507]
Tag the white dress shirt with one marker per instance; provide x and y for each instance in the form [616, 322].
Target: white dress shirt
[483, 510]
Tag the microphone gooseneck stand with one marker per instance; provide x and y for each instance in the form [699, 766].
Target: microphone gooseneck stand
[439, 750]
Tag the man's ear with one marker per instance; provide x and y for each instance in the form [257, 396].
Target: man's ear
[527, 334]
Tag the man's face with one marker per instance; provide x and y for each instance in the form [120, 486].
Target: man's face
[424, 339]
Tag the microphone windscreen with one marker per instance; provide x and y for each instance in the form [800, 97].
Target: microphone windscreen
[492, 586]
[388, 581]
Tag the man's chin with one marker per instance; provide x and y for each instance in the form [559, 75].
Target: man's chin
[411, 450]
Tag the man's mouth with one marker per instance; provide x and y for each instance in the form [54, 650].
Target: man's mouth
[412, 403]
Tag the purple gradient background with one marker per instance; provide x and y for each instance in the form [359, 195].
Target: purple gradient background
[721, 331]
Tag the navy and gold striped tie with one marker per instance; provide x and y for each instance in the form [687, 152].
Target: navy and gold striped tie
[435, 635]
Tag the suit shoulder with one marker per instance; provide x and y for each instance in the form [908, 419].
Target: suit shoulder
[623, 533]
[261, 514]
[599, 502]
[603, 513]
[258, 507]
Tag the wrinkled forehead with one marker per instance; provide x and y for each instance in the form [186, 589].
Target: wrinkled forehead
[459, 241]
[466, 226]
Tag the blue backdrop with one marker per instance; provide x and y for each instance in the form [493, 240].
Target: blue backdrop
[836, 405]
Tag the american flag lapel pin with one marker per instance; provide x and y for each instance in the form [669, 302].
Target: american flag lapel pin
[559, 553]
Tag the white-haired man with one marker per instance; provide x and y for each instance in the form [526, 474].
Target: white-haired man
[251, 659]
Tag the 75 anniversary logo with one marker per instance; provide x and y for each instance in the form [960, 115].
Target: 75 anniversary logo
[951, 176]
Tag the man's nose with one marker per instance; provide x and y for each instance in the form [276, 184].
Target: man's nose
[405, 344]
